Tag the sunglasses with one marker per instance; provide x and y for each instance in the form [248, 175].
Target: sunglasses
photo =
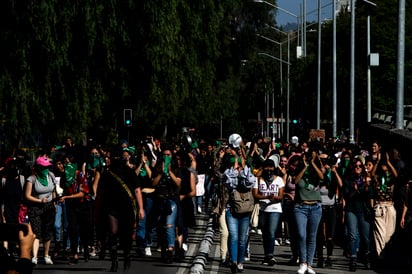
[357, 166]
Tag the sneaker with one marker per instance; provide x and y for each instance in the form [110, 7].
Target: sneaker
[147, 251]
[259, 232]
[310, 270]
[272, 261]
[240, 268]
[92, 251]
[224, 263]
[199, 209]
[184, 247]
[266, 260]
[328, 262]
[233, 267]
[247, 258]
[321, 262]
[48, 260]
[287, 242]
[34, 260]
[252, 230]
[277, 243]
[302, 268]
[169, 256]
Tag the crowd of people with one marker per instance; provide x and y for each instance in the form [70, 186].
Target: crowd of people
[324, 194]
[90, 201]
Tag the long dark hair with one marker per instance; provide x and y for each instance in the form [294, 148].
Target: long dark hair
[353, 175]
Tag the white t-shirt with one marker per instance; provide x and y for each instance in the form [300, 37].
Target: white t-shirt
[271, 189]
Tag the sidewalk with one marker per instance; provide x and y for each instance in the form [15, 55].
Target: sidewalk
[282, 255]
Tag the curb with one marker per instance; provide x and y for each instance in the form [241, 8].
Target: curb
[199, 262]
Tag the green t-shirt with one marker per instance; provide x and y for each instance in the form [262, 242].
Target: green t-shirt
[307, 192]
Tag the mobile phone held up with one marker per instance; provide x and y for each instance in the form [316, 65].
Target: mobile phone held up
[10, 232]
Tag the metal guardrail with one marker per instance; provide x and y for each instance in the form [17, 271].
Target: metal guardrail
[388, 118]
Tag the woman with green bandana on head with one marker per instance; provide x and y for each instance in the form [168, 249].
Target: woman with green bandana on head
[39, 193]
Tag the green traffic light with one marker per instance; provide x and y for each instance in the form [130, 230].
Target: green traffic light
[295, 121]
[128, 122]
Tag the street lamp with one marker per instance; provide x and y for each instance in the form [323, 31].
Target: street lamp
[291, 14]
[281, 61]
[276, 7]
[288, 62]
[281, 79]
[287, 84]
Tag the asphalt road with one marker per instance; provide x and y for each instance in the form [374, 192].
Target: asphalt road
[203, 256]
[152, 264]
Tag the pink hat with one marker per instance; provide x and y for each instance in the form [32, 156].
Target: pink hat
[43, 161]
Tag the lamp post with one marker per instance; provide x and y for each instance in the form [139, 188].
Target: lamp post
[282, 62]
[287, 85]
[297, 22]
[400, 65]
[281, 79]
[288, 60]
[319, 65]
[369, 5]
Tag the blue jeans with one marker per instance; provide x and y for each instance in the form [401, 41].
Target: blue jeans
[357, 225]
[307, 220]
[167, 223]
[238, 226]
[61, 224]
[144, 230]
[269, 222]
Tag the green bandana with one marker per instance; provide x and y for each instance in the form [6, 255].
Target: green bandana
[143, 171]
[70, 171]
[95, 161]
[41, 175]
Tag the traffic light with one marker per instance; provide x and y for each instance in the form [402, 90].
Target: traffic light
[127, 117]
[294, 121]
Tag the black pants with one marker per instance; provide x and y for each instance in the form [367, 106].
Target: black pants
[79, 216]
[326, 231]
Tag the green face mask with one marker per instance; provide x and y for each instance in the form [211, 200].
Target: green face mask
[168, 160]
[95, 161]
[41, 175]
[346, 162]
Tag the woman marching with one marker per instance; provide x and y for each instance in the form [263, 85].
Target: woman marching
[358, 195]
[167, 181]
[239, 178]
[268, 189]
[308, 210]
[40, 192]
[122, 202]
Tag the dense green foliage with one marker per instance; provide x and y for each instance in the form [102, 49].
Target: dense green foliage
[71, 67]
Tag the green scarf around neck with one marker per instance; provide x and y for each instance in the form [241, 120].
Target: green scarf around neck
[41, 175]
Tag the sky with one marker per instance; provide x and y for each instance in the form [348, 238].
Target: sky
[294, 6]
